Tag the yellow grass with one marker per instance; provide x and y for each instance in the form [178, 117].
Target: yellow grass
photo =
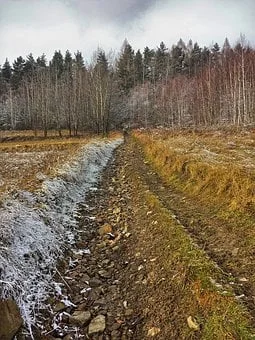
[218, 168]
[189, 276]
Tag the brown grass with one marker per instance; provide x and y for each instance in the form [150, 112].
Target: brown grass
[214, 166]
[180, 279]
[22, 161]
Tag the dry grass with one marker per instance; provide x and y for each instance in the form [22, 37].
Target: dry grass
[22, 162]
[211, 178]
[181, 278]
[24, 157]
[215, 166]
[29, 134]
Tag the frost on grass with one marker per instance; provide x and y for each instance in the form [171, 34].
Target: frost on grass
[36, 228]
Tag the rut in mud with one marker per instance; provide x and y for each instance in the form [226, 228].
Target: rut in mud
[128, 278]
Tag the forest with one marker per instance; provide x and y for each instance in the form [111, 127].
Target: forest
[181, 86]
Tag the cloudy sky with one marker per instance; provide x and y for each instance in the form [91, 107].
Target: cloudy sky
[42, 26]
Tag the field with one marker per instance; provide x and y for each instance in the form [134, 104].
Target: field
[162, 246]
[216, 166]
[26, 160]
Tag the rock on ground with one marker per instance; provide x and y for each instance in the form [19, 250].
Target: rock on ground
[10, 319]
[97, 325]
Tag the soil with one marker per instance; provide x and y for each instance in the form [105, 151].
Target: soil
[116, 271]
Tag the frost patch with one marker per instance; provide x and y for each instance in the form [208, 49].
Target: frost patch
[35, 229]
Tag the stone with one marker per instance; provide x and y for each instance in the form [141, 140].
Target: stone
[115, 335]
[94, 294]
[10, 319]
[106, 262]
[82, 306]
[105, 229]
[85, 278]
[153, 331]
[235, 251]
[95, 282]
[104, 274]
[80, 318]
[129, 312]
[68, 337]
[97, 325]
[100, 302]
[192, 324]
[115, 326]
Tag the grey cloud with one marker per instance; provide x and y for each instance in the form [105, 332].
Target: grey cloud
[41, 26]
[114, 10]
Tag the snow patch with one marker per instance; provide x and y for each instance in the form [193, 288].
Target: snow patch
[36, 228]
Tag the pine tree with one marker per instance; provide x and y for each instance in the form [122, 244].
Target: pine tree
[6, 71]
[226, 49]
[205, 55]
[190, 46]
[177, 59]
[30, 65]
[2, 83]
[215, 53]
[57, 63]
[138, 64]
[78, 60]
[195, 58]
[125, 68]
[18, 72]
[41, 61]
[102, 62]
[161, 61]
[68, 61]
[181, 45]
[148, 56]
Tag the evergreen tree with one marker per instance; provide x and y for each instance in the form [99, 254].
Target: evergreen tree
[125, 68]
[57, 63]
[177, 59]
[18, 72]
[138, 64]
[190, 46]
[181, 45]
[226, 49]
[68, 61]
[205, 55]
[195, 58]
[215, 53]
[148, 56]
[160, 61]
[41, 61]
[6, 71]
[102, 62]
[30, 65]
[78, 60]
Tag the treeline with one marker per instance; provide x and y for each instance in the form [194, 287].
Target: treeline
[183, 86]
[198, 87]
[62, 95]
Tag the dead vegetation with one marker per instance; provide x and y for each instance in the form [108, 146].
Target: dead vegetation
[186, 295]
[209, 180]
[25, 161]
[216, 167]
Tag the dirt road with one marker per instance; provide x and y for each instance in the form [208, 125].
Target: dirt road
[135, 272]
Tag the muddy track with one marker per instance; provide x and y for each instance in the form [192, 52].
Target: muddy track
[120, 283]
[210, 233]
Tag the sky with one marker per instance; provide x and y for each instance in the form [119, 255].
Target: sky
[43, 26]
